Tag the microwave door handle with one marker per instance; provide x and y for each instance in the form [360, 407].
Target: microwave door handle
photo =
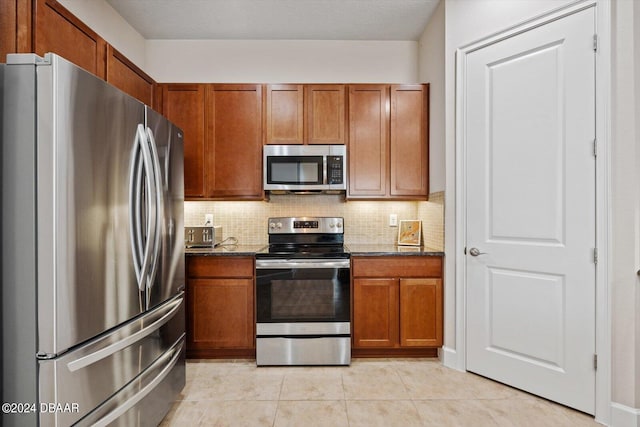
[324, 170]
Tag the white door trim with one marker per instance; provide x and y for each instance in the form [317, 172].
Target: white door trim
[457, 358]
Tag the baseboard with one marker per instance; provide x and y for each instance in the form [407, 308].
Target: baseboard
[624, 416]
[449, 358]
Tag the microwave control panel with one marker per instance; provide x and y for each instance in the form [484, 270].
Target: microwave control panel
[334, 169]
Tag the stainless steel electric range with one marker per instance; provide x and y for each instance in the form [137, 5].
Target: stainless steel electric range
[303, 294]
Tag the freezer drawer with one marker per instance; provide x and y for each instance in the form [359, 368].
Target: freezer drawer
[145, 401]
[93, 373]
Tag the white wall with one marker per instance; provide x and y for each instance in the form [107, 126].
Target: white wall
[431, 70]
[636, 236]
[105, 21]
[625, 186]
[303, 61]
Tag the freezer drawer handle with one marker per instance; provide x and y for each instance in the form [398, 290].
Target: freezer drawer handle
[107, 351]
[133, 400]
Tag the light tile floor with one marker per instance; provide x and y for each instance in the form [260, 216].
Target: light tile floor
[370, 392]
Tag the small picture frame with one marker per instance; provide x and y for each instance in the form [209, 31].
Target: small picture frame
[410, 232]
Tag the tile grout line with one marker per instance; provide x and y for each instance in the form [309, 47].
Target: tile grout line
[344, 399]
[275, 415]
[410, 396]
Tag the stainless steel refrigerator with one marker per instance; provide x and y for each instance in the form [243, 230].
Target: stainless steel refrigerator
[92, 251]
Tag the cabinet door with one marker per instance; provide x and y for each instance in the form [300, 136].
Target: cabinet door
[421, 312]
[57, 30]
[234, 142]
[284, 114]
[220, 313]
[15, 27]
[409, 140]
[368, 141]
[325, 114]
[183, 104]
[126, 76]
[375, 313]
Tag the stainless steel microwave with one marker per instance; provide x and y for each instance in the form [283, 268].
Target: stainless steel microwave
[305, 167]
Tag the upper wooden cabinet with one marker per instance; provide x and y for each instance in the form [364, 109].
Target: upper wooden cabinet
[126, 76]
[409, 140]
[284, 114]
[305, 114]
[325, 114]
[368, 141]
[59, 31]
[222, 126]
[184, 105]
[15, 27]
[234, 141]
[43, 26]
[388, 142]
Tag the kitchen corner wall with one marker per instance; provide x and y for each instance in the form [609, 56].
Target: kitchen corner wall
[102, 18]
[366, 222]
[273, 61]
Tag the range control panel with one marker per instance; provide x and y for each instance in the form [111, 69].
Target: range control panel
[305, 224]
[294, 225]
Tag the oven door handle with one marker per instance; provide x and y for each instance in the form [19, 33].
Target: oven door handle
[263, 264]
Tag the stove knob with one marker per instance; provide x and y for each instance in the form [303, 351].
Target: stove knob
[331, 225]
[272, 225]
[279, 225]
[339, 225]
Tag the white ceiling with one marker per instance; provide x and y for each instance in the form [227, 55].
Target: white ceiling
[277, 19]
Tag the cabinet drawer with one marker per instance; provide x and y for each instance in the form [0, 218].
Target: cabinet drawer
[397, 266]
[218, 266]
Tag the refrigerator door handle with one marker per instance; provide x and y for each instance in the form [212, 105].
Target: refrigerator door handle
[159, 206]
[107, 351]
[173, 355]
[135, 201]
[142, 269]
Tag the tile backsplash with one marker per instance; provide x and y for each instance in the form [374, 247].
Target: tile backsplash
[366, 222]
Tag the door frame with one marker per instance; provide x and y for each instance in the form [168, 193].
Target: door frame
[456, 358]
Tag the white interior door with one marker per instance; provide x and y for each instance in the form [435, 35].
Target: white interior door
[530, 185]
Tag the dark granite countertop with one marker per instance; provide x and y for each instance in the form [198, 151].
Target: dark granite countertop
[226, 250]
[358, 249]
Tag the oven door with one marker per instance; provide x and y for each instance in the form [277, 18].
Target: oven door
[302, 312]
[304, 291]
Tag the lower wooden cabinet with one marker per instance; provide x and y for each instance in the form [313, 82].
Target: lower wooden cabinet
[375, 312]
[397, 305]
[421, 312]
[220, 307]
